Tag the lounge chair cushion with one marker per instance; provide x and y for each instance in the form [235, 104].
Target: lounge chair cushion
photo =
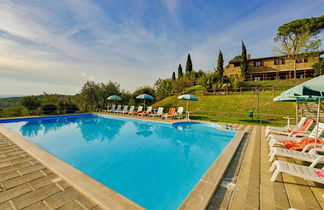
[320, 173]
[300, 145]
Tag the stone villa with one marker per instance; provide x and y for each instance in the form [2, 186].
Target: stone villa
[276, 67]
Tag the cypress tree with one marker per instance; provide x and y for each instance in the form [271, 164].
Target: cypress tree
[220, 64]
[180, 73]
[189, 64]
[173, 76]
[244, 65]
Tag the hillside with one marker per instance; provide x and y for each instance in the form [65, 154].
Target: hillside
[8, 101]
[234, 106]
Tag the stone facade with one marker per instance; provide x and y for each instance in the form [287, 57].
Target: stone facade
[271, 68]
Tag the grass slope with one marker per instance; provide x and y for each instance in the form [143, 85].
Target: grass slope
[234, 107]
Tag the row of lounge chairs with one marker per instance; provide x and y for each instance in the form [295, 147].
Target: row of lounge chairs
[286, 142]
[150, 112]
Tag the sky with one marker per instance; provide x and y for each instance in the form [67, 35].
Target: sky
[56, 46]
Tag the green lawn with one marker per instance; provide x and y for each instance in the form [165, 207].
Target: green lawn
[234, 107]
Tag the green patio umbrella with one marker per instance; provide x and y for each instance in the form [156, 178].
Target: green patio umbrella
[114, 98]
[188, 98]
[144, 97]
[310, 91]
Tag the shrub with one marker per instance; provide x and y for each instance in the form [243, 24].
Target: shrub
[14, 111]
[49, 108]
[71, 108]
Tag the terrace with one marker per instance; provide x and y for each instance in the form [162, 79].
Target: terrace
[27, 183]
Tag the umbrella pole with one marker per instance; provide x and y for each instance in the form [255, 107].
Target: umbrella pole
[317, 120]
[187, 105]
[187, 110]
[297, 109]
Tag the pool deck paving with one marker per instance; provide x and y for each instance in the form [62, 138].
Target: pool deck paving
[246, 183]
[26, 183]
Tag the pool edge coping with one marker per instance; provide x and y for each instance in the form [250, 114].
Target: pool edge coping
[99, 193]
[198, 198]
[202, 193]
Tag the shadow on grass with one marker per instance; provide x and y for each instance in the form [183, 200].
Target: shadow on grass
[262, 122]
[230, 120]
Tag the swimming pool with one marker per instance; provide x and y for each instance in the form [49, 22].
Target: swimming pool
[151, 163]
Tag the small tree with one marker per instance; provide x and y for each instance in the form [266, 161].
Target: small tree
[94, 95]
[296, 38]
[31, 103]
[319, 68]
[181, 84]
[180, 73]
[173, 76]
[188, 64]
[220, 65]
[203, 81]
[163, 88]
[244, 64]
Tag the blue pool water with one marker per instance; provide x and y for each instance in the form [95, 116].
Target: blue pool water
[153, 164]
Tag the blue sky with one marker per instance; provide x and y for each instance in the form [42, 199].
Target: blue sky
[55, 46]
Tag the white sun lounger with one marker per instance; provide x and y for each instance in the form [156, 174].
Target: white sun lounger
[310, 156]
[112, 109]
[293, 133]
[131, 109]
[304, 172]
[147, 112]
[125, 110]
[159, 113]
[179, 113]
[277, 138]
[118, 109]
[139, 109]
[273, 129]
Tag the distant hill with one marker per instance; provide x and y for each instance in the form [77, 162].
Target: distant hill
[9, 96]
[9, 101]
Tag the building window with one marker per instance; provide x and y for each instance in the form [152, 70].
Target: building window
[278, 61]
[257, 63]
[302, 60]
[236, 64]
[257, 78]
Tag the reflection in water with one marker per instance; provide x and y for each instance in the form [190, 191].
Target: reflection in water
[143, 129]
[92, 128]
[34, 128]
[100, 128]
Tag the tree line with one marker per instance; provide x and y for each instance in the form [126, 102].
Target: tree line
[92, 96]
